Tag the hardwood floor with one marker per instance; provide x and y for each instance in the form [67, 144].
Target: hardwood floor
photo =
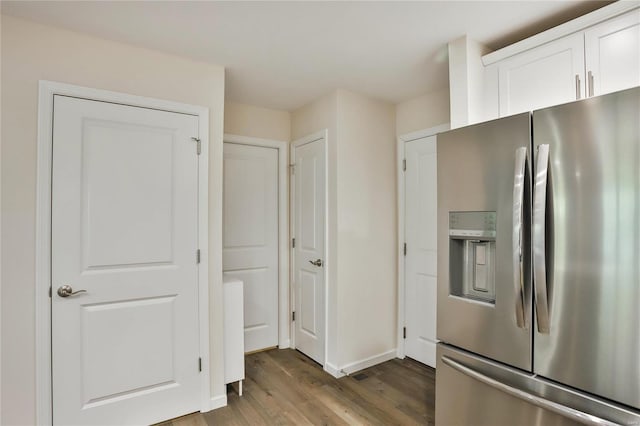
[284, 387]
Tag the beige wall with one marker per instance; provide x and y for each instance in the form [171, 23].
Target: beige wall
[361, 265]
[32, 52]
[367, 267]
[248, 120]
[423, 112]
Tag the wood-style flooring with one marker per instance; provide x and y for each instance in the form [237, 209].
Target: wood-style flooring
[284, 387]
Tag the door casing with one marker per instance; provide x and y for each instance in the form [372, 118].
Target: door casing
[47, 89]
[322, 134]
[400, 145]
[284, 315]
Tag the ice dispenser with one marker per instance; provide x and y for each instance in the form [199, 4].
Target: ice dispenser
[472, 255]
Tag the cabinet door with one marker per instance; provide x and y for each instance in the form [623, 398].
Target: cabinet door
[547, 75]
[613, 54]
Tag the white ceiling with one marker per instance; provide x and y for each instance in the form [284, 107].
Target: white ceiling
[285, 54]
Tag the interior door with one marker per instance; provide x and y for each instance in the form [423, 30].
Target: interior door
[309, 233]
[250, 235]
[421, 222]
[124, 271]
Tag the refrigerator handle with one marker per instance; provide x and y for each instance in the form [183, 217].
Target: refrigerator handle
[518, 212]
[563, 410]
[539, 235]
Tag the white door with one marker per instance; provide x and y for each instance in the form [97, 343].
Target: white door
[613, 54]
[124, 231]
[548, 75]
[421, 255]
[309, 234]
[250, 235]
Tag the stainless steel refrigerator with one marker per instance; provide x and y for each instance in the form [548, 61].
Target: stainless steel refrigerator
[539, 267]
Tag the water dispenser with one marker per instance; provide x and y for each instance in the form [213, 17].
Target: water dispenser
[472, 255]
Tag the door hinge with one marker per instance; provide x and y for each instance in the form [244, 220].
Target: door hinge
[404, 332]
[293, 316]
[199, 364]
[198, 145]
[404, 165]
[50, 292]
[293, 168]
[198, 256]
[293, 242]
[405, 249]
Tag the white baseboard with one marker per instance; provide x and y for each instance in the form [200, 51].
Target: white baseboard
[333, 370]
[218, 401]
[352, 367]
[369, 362]
[284, 344]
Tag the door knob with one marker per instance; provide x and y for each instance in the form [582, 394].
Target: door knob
[66, 291]
[316, 263]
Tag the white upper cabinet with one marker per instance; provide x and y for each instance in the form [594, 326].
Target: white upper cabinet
[597, 58]
[613, 54]
[547, 75]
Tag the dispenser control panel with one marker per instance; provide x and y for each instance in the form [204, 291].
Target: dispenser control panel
[472, 224]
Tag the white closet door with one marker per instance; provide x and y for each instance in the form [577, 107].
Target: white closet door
[420, 262]
[250, 251]
[309, 232]
[125, 230]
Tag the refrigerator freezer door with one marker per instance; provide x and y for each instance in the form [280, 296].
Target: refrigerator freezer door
[484, 268]
[471, 390]
[591, 249]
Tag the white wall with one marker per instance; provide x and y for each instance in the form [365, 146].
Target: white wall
[248, 120]
[31, 52]
[367, 224]
[423, 112]
[361, 272]
[466, 80]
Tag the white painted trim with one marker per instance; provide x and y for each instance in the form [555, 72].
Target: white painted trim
[322, 134]
[400, 149]
[217, 402]
[285, 344]
[578, 24]
[47, 90]
[356, 366]
[369, 362]
[333, 370]
[284, 307]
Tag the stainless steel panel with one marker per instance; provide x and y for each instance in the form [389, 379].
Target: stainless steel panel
[476, 173]
[593, 246]
[471, 390]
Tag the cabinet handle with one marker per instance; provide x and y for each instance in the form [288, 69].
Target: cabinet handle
[577, 87]
[590, 77]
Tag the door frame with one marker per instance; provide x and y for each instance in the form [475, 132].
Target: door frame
[284, 339]
[47, 90]
[324, 135]
[400, 146]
